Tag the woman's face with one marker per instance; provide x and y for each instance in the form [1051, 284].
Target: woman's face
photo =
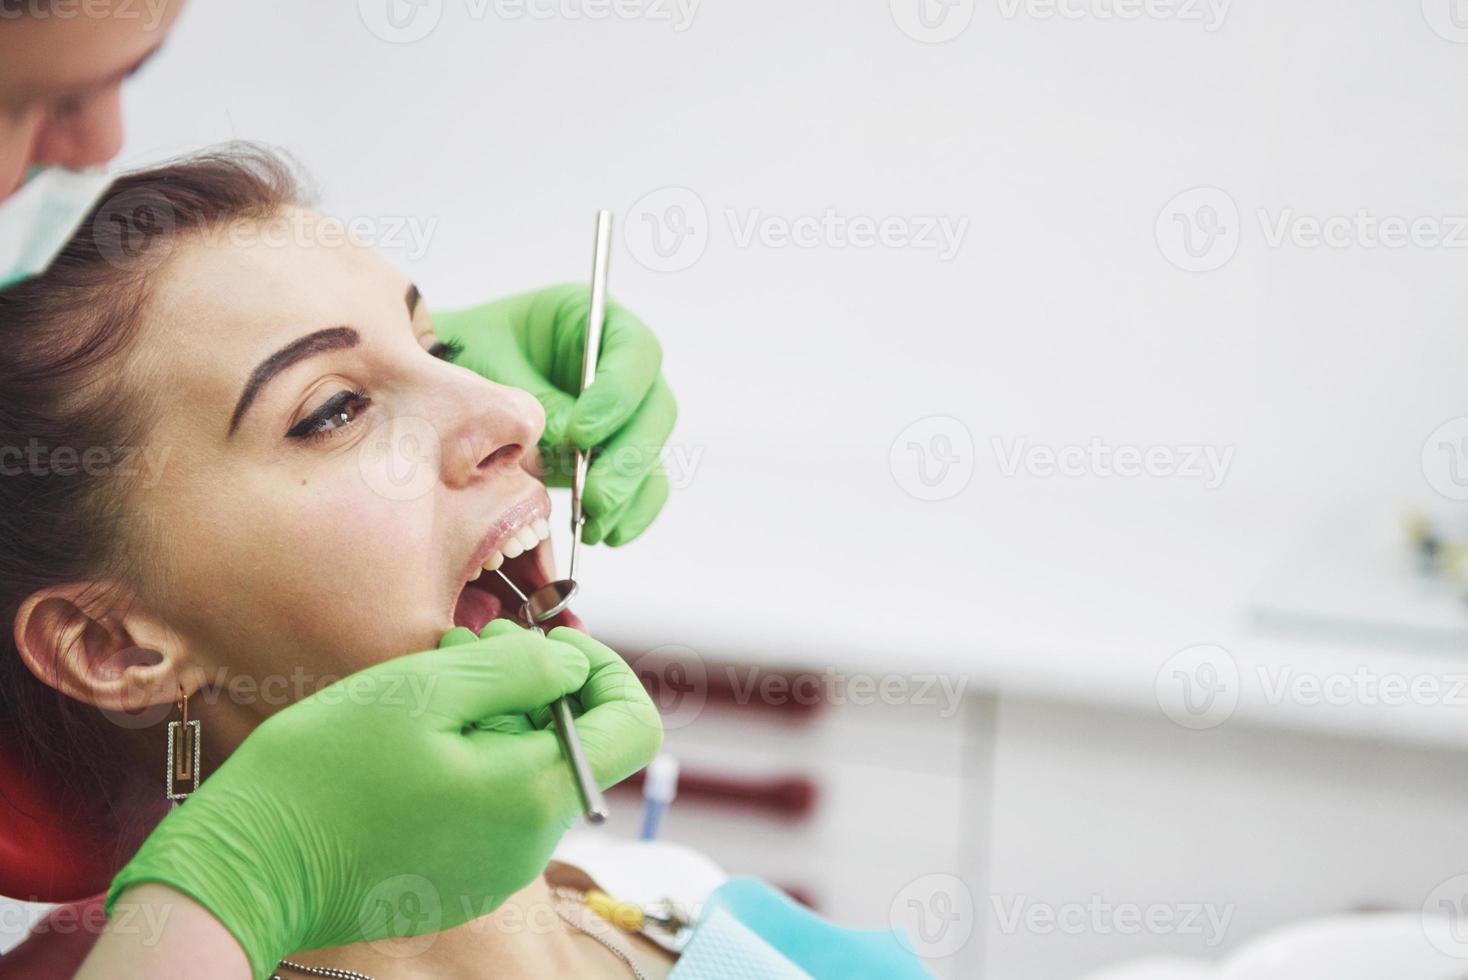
[326, 482]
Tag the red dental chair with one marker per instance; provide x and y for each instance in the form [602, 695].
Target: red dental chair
[48, 854]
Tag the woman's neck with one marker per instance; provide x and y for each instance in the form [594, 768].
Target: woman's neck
[524, 937]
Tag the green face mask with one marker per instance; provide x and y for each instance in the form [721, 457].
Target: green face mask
[38, 219]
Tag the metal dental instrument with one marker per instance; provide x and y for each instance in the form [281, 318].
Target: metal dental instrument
[551, 599]
[592, 802]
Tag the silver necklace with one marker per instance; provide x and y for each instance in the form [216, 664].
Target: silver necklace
[611, 946]
[564, 893]
[321, 971]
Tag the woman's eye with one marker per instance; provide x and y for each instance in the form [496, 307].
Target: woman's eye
[338, 412]
[446, 350]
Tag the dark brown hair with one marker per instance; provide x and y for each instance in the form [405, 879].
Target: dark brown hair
[60, 333]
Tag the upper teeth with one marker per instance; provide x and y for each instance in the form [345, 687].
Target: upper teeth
[520, 542]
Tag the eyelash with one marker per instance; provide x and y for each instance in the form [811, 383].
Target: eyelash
[446, 350]
[314, 426]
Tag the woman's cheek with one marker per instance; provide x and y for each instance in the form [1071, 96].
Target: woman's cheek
[359, 564]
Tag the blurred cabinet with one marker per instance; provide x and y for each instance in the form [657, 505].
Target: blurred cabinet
[1061, 810]
[886, 784]
[1246, 826]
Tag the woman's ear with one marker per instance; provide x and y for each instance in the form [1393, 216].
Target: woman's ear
[89, 641]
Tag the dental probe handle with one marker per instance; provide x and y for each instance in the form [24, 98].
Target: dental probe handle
[592, 802]
[596, 316]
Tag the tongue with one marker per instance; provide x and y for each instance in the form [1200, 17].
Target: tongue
[476, 607]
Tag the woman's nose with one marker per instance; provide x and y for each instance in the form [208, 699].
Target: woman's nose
[88, 135]
[492, 434]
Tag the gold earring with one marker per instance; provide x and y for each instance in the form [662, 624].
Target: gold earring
[184, 740]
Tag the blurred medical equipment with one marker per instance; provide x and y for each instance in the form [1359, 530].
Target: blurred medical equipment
[659, 789]
[551, 599]
[747, 928]
[37, 220]
[1438, 550]
[724, 927]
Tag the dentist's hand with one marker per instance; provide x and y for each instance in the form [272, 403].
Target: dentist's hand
[397, 787]
[535, 341]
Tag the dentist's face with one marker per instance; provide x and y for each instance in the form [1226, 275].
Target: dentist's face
[321, 480]
[62, 65]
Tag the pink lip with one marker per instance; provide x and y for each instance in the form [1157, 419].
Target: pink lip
[534, 506]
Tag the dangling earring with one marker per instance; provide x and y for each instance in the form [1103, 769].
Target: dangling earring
[183, 753]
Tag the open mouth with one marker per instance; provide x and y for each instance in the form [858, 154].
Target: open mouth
[523, 553]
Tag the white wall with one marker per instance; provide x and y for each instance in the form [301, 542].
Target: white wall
[1057, 140]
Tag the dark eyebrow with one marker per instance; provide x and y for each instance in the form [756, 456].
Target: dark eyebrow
[412, 299]
[332, 338]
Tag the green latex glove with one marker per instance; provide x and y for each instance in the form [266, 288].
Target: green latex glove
[535, 341]
[393, 802]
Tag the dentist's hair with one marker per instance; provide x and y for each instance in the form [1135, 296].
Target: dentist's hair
[63, 336]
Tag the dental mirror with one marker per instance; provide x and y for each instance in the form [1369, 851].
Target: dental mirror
[548, 601]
